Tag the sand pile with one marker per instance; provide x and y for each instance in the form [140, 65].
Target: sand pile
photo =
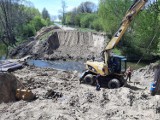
[8, 86]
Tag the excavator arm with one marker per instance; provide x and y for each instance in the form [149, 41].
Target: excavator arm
[131, 13]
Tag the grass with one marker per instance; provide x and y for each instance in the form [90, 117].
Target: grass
[117, 51]
[136, 66]
[46, 35]
[86, 30]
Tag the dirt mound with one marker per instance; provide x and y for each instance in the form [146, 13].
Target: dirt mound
[8, 86]
[53, 43]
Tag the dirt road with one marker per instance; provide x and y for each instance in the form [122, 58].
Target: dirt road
[63, 27]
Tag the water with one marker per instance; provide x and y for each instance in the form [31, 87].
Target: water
[71, 65]
[2, 57]
[63, 65]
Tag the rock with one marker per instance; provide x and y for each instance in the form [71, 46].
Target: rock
[8, 86]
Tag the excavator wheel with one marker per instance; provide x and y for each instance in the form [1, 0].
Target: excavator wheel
[89, 79]
[114, 83]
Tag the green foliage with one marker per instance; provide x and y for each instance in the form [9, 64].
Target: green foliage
[111, 13]
[33, 26]
[68, 18]
[77, 20]
[147, 30]
[30, 12]
[82, 15]
[38, 22]
[96, 24]
[28, 30]
[87, 19]
[46, 35]
[85, 30]
[2, 49]
[142, 33]
[117, 51]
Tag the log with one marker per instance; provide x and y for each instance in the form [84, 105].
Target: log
[9, 66]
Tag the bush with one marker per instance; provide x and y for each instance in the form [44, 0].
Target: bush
[87, 19]
[28, 30]
[77, 20]
[38, 22]
[96, 24]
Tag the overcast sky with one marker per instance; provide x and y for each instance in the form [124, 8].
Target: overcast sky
[53, 6]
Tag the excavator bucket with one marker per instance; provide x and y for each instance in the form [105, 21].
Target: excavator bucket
[25, 94]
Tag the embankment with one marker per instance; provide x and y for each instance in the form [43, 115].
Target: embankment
[51, 43]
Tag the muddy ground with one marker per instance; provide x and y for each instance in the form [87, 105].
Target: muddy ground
[73, 101]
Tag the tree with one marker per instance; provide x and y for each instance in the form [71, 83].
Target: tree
[11, 15]
[87, 20]
[147, 29]
[86, 7]
[77, 20]
[111, 13]
[71, 16]
[45, 13]
[142, 32]
[63, 12]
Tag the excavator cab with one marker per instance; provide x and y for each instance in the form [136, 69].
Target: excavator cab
[117, 64]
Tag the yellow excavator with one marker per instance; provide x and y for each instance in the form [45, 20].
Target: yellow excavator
[112, 69]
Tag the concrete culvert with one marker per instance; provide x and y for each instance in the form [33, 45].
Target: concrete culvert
[8, 86]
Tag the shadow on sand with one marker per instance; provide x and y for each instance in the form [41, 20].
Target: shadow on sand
[134, 87]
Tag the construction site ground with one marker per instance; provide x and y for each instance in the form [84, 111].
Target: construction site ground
[60, 96]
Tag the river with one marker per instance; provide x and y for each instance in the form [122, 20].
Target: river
[63, 65]
[73, 65]
[70, 65]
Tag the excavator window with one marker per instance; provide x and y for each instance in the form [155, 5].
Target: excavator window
[117, 64]
[123, 65]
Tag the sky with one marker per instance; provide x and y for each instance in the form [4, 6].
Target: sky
[53, 6]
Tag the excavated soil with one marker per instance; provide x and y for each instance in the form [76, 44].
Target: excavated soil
[54, 44]
[61, 97]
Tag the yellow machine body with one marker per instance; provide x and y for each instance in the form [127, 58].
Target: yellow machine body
[97, 67]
